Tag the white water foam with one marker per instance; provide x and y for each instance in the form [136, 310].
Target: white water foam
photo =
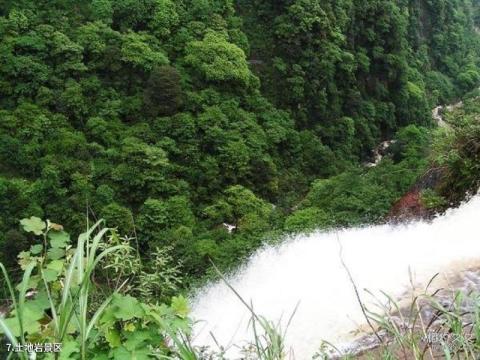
[308, 270]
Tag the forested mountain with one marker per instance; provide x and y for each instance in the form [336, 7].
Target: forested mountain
[170, 118]
[353, 72]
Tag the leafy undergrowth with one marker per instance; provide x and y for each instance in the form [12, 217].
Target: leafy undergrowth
[60, 300]
[94, 298]
[456, 149]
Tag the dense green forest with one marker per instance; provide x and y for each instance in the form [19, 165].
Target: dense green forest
[200, 129]
[169, 119]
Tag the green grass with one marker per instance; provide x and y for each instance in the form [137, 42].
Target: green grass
[432, 326]
[73, 306]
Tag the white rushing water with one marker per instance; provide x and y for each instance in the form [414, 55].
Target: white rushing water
[307, 270]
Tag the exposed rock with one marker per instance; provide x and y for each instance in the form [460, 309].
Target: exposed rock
[432, 329]
[437, 113]
[455, 106]
[437, 116]
[230, 228]
[410, 206]
[379, 152]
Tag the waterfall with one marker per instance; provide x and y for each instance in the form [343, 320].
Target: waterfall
[307, 270]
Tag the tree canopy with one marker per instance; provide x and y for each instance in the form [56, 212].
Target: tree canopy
[170, 118]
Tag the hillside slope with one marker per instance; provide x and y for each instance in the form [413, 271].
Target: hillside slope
[179, 120]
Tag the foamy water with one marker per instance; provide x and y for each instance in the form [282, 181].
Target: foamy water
[307, 269]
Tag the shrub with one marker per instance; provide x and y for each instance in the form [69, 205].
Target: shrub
[53, 302]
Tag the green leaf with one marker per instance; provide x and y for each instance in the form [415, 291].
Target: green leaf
[55, 253]
[127, 307]
[34, 225]
[41, 300]
[100, 357]
[13, 326]
[113, 338]
[50, 275]
[33, 310]
[56, 265]
[68, 348]
[137, 339]
[58, 239]
[25, 259]
[53, 269]
[30, 327]
[108, 317]
[180, 306]
[122, 353]
[36, 249]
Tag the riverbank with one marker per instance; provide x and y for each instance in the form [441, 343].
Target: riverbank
[425, 324]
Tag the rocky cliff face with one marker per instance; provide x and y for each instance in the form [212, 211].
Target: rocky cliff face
[410, 205]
